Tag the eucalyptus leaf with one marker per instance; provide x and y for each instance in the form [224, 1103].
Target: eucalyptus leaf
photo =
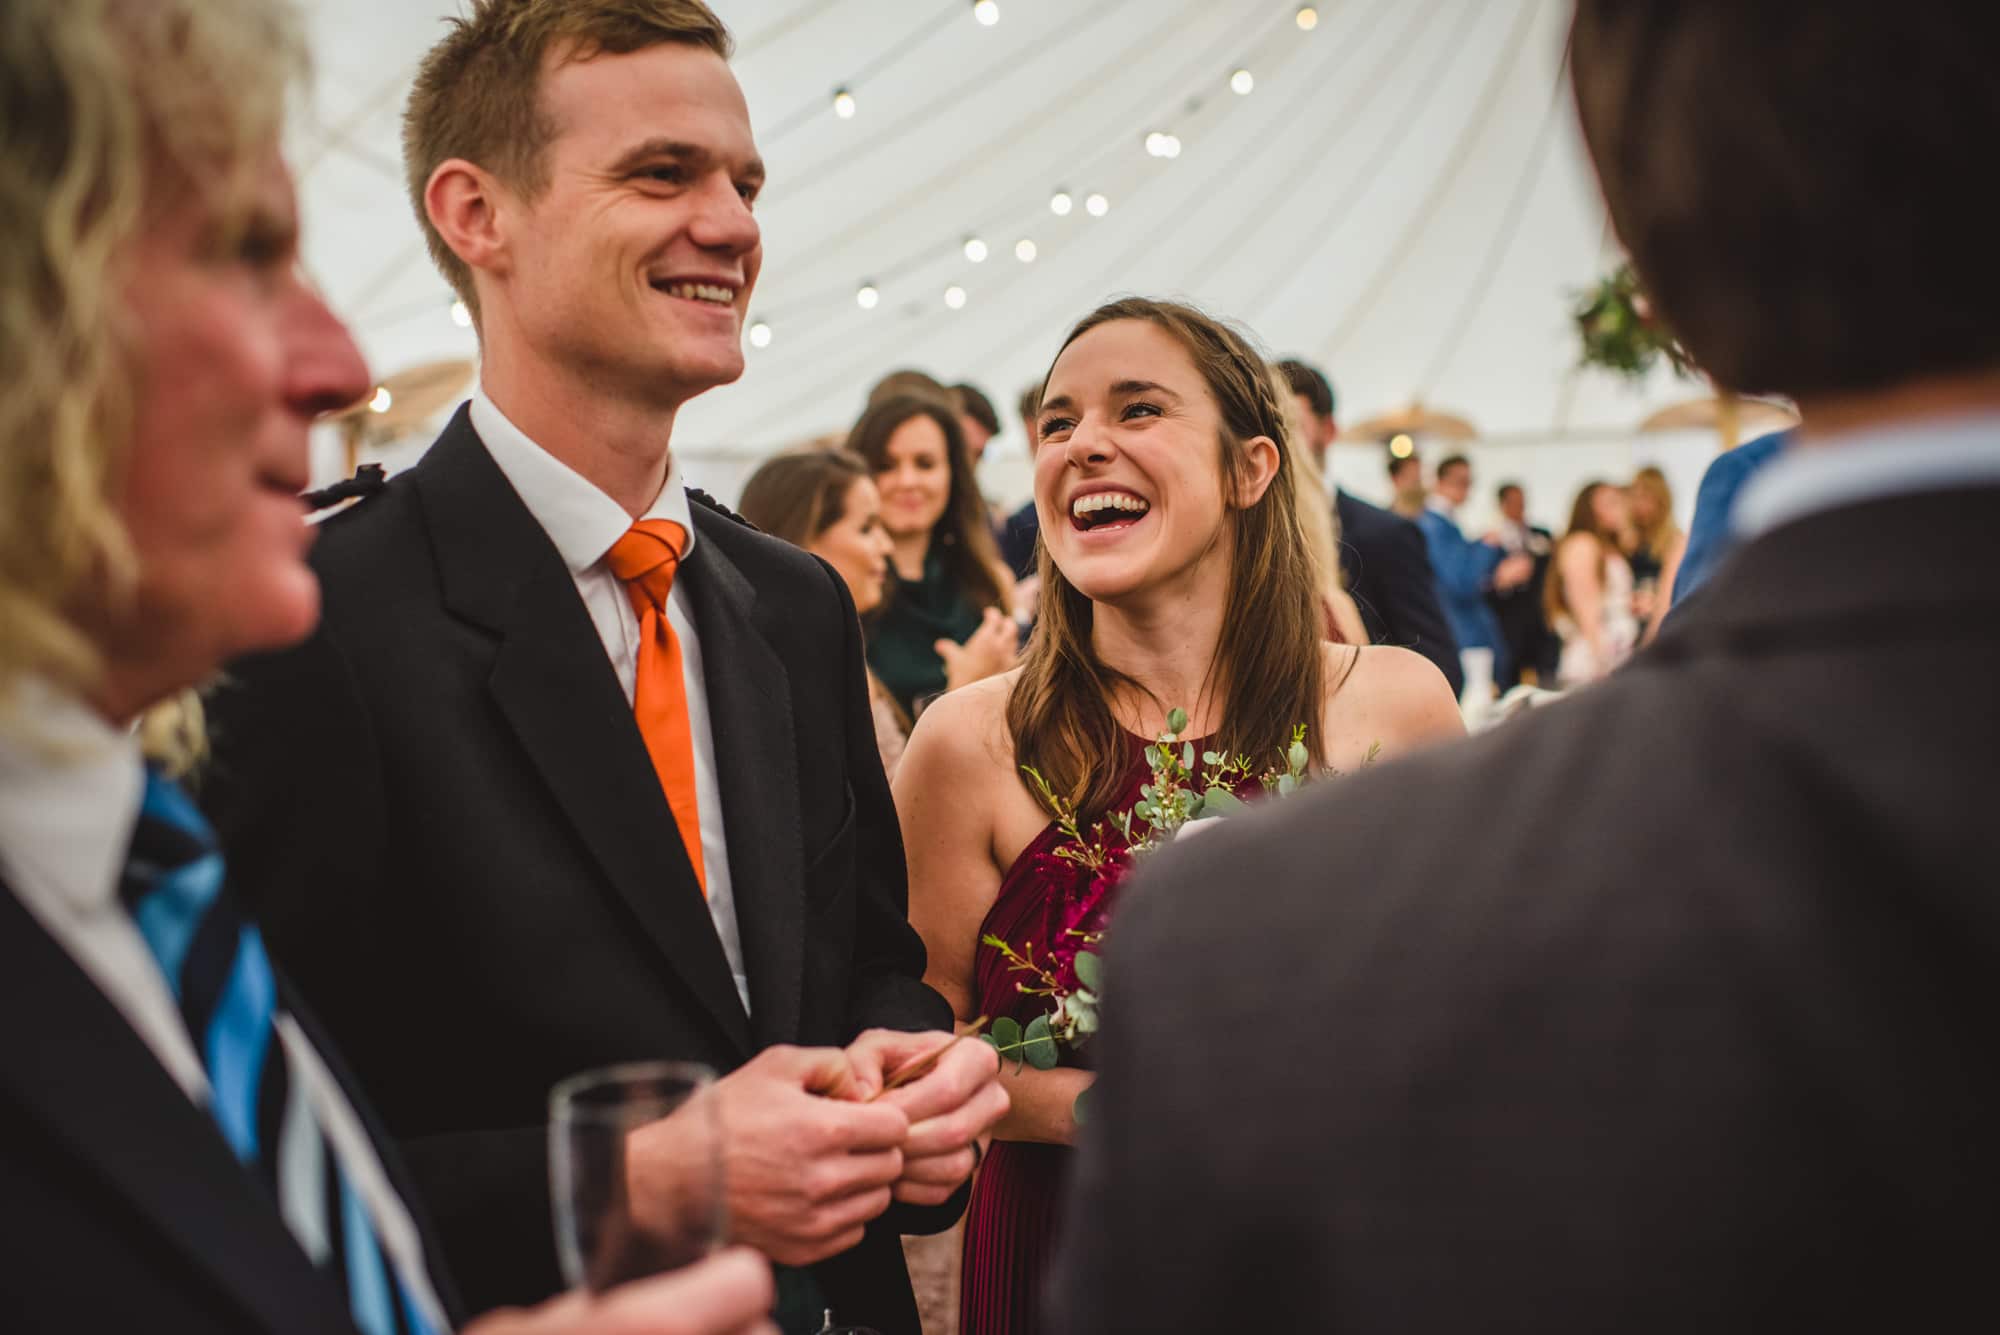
[1007, 1032]
[1220, 802]
[1211, 758]
[1297, 758]
[1187, 755]
[1177, 721]
[1077, 1109]
[1287, 785]
[1087, 969]
[1039, 1045]
[1195, 807]
[1155, 758]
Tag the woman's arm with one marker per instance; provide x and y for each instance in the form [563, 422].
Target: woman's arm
[958, 767]
[1580, 561]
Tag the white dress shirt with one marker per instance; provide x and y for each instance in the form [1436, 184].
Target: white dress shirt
[584, 524]
[70, 790]
[1827, 473]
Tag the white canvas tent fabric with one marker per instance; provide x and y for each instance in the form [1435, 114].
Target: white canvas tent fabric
[1402, 197]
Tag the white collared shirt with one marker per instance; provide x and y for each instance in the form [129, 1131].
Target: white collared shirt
[584, 523]
[70, 790]
[1830, 472]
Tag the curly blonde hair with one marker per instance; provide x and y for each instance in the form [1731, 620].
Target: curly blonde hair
[99, 100]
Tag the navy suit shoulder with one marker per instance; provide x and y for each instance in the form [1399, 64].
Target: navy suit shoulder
[1739, 1082]
[1388, 570]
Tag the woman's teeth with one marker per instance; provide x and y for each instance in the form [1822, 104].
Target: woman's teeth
[1118, 502]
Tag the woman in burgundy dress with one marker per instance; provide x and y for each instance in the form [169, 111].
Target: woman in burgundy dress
[1174, 575]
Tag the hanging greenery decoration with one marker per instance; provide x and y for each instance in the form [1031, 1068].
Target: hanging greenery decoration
[1619, 331]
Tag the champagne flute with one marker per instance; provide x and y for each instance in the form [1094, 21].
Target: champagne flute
[635, 1171]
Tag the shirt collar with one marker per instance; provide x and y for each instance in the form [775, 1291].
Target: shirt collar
[1832, 472]
[70, 788]
[1441, 506]
[580, 519]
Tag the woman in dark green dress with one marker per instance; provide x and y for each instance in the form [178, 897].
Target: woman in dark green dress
[945, 623]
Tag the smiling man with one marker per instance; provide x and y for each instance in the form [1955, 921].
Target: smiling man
[580, 769]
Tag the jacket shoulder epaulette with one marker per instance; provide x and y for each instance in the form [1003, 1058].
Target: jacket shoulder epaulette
[708, 502]
[368, 480]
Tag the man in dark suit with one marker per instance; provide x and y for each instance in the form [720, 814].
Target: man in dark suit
[1382, 555]
[525, 806]
[178, 1148]
[1688, 1023]
[1524, 628]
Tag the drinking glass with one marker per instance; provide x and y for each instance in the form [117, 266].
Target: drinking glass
[635, 1171]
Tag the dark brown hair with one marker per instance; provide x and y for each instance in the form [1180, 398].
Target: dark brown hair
[1658, 537]
[800, 494]
[973, 402]
[1790, 182]
[1268, 667]
[1582, 519]
[961, 537]
[477, 94]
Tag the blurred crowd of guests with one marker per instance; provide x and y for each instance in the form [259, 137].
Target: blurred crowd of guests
[946, 581]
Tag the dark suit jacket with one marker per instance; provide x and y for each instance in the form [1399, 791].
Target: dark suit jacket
[476, 880]
[1388, 570]
[1495, 1045]
[1523, 624]
[121, 1206]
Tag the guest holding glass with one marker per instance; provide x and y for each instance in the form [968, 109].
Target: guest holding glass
[825, 501]
[945, 624]
[1589, 590]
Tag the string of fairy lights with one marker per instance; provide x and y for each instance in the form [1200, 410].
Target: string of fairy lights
[1160, 142]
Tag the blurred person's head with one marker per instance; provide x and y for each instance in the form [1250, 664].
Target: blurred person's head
[1651, 503]
[977, 419]
[825, 501]
[916, 454]
[912, 384]
[584, 175]
[1406, 474]
[1028, 404]
[1513, 502]
[1315, 401]
[1454, 480]
[162, 354]
[1599, 513]
[1163, 471]
[1800, 234]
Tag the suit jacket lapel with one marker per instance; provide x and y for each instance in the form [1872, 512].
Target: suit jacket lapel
[553, 683]
[750, 716]
[77, 1068]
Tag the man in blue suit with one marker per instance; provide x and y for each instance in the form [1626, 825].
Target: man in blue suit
[1466, 570]
[1710, 537]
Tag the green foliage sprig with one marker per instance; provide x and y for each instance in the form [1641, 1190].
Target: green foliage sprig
[1620, 332]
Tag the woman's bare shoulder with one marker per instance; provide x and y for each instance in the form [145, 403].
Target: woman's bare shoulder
[1387, 696]
[965, 731]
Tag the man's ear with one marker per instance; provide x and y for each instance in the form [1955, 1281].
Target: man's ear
[1257, 471]
[464, 202]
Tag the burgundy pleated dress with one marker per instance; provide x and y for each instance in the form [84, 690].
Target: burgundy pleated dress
[1011, 1222]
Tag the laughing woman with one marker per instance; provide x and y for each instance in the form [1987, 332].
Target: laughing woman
[1175, 575]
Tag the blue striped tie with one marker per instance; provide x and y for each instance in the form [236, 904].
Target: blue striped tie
[214, 962]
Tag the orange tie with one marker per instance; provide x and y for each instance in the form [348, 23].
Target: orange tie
[646, 559]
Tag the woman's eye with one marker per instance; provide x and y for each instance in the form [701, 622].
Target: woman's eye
[1054, 424]
[1142, 408]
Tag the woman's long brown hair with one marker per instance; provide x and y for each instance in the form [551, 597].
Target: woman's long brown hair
[962, 536]
[1582, 519]
[1267, 670]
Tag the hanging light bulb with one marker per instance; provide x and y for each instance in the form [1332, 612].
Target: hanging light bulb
[867, 297]
[382, 401]
[1097, 206]
[1402, 446]
[760, 335]
[1060, 203]
[975, 250]
[954, 296]
[1156, 145]
[1241, 82]
[1170, 146]
[987, 12]
[1024, 251]
[461, 315]
[1307, 18]
[843, 104]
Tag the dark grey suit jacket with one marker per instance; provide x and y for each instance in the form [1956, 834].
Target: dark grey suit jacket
[1670, 1007]
[1387, 568]
[469, 868]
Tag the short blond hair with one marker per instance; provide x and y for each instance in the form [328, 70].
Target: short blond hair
[99, 100]
[477, 95]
